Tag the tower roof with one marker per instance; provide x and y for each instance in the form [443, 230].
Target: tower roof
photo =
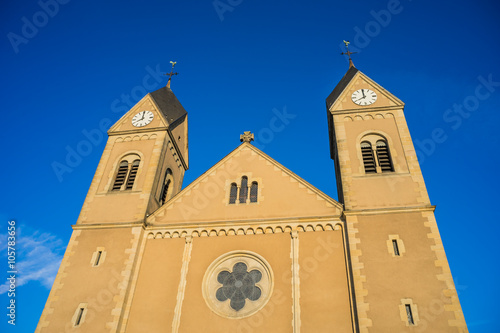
[168, 104]
[341, 86]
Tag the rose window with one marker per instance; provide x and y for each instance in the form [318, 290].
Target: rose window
[238, 286]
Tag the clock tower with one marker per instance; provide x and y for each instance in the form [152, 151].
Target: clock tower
[400, 271]
[142, 166]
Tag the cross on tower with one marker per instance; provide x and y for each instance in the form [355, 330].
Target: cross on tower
[346, 42]
[171, 73]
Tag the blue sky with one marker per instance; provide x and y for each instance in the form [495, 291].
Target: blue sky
[70, 65]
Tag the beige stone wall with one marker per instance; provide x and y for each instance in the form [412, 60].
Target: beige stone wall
[155, 294]
[168, 291]
[102, 287]
[324, 285]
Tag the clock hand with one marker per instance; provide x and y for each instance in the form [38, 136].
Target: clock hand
[362, 90]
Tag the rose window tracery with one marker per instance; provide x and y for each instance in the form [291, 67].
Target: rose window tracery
[238, 285]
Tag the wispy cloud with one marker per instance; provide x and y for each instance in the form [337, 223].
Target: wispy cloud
[38, 256]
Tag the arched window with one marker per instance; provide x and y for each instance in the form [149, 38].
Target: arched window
[120, 176]
[244, 189]
[233, 192]
[132, 174]
[127, 172]
[368, 158]
[167, 185]
[254, 190]
[384, 157]
[376, 143]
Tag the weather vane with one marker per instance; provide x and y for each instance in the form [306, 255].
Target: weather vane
[171, 73]
[346, 42]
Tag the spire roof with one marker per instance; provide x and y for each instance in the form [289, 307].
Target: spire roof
[168, 104]
[341, 86]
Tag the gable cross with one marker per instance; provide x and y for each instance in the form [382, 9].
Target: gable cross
[247, 136]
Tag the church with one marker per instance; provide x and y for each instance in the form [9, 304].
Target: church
[250, 246]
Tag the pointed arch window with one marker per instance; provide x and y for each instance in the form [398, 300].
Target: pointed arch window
[244, 189]
[368, 158]
[384, 157]
[167, 187]
[233, 193]
[254, 190]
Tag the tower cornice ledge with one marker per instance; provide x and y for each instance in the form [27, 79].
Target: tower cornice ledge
[372, 109]
[107, 225]
[390, 210]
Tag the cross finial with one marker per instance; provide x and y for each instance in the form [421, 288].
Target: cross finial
[247, 136]
[346, 42]
[171, 73]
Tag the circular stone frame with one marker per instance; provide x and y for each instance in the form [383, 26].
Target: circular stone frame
[225, 263]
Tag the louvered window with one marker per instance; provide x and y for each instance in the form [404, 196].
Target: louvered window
[384, 157]
[132, 175]
[368, 158]
[244, 189]
[233, 193]
[165, 192]
[120, 176]
[254, 190]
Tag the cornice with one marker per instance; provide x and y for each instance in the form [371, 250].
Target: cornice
[112, 225]
[391, 210]
[365, 110]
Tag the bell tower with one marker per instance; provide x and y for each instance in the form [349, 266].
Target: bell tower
[141, 168]
[143, 163]
[401, 275]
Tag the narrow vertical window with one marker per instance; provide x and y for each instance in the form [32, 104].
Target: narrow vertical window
[166, 188]
[120, 176]
[244, 189]
[165, 192]
[409, 314]
[78, 319]
[368, 158]
[98, 258]
[233, 192]
[132, 175]
[254, 190]
[384, 157]
[395, 246]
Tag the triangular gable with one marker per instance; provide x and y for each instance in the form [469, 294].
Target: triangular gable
[145, 104]
[282, 194]
[354, 79]
[166, 107]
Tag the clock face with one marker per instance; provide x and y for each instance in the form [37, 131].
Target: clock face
[364, 97]
[142, 118]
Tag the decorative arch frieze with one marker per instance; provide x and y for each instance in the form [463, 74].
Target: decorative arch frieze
[245, 230]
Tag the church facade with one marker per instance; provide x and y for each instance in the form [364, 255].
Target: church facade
[250, 246]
